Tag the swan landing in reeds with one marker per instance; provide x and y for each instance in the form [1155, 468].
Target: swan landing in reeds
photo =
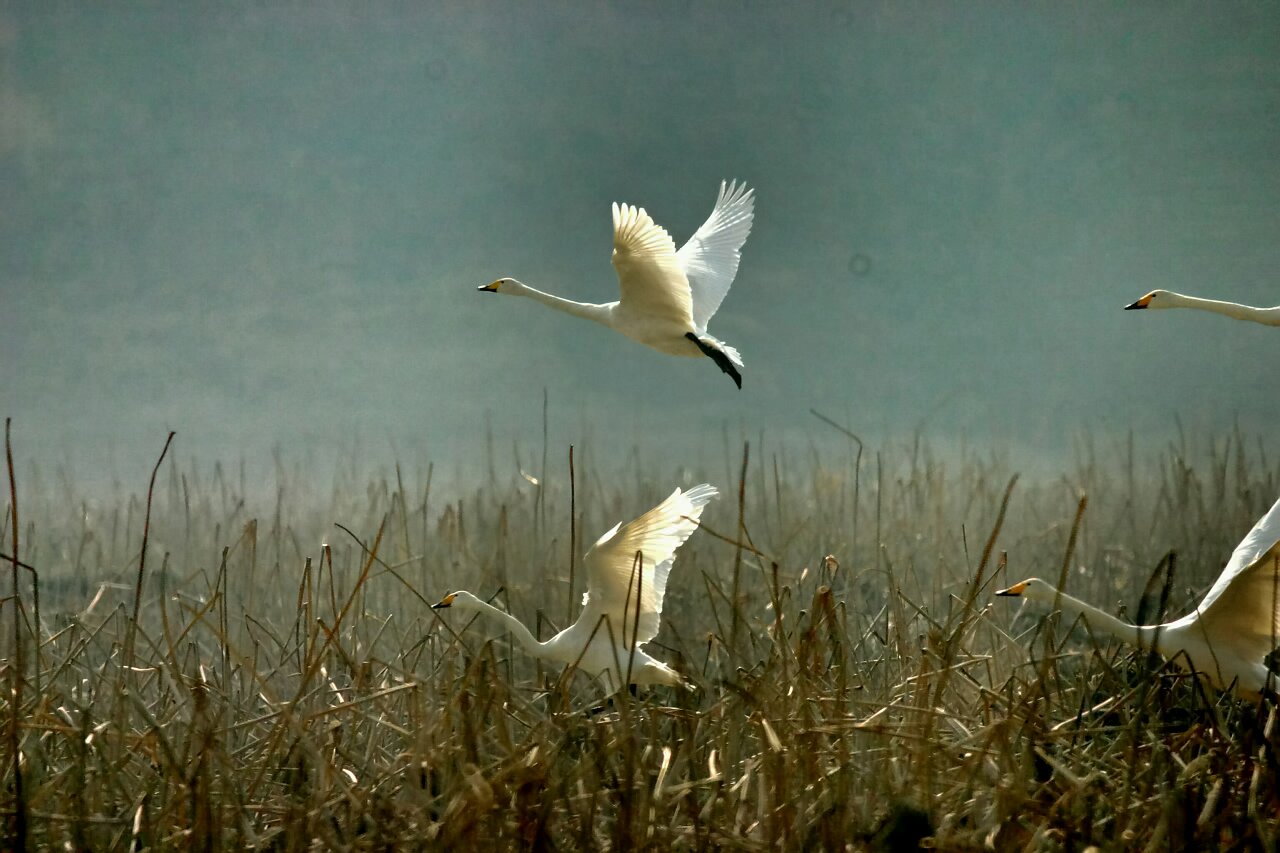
[1229, 635]
[622, 608]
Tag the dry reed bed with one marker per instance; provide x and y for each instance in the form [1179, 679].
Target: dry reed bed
[857, 685]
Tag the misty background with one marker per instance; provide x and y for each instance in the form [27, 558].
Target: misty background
[262, 225]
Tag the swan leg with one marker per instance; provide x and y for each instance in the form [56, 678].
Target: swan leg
[716, 355]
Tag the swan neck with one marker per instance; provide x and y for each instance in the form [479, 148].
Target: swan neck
[514, 625]
[1234, 310]
[1099, 620]
[587, 310]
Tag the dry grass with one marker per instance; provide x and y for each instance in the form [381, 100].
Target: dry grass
[277, 693]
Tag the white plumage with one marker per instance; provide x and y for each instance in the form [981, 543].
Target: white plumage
[1230, 633]
[667, 297]
[1234, 310]
[622, 608]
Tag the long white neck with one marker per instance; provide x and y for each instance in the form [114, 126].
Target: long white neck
[1266, 316]
[514, 625]
[1143, 636]
[599, 313]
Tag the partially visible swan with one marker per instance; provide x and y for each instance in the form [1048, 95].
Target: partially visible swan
[668, 297]
[627, 572]
[1234, 310]
[1229, 635]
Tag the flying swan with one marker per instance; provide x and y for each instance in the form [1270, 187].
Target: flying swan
[1234, 310]
[1230, 633]
[668, 297]
[605, 641]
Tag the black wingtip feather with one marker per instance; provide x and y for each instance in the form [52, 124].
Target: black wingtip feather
[718, 356]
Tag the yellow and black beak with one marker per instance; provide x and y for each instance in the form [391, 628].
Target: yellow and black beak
[444, 602]
[1016, 589]
[491, 287]
[1141, 303]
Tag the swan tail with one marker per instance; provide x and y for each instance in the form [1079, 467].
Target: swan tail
[725, 356]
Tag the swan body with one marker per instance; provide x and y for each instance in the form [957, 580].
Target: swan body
[1229, 635]
[1169, 299]
[622, 607]
[667, 296]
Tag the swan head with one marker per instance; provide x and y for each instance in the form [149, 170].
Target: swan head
[1154, 299]
[461, 599]
[503, 285]
[1032, 589]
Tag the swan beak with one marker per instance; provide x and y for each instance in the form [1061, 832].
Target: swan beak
[490, 288]
[1016, 589]
[448, 599]
[1141, 303]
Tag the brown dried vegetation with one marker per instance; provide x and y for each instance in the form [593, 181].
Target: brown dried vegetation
[858, 689]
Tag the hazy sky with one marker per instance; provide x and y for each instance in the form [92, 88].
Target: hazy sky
[262, 224]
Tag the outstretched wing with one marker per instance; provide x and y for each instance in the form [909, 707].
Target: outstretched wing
[710, 258]
[649, 275]
[612, 579]
[1244, 598]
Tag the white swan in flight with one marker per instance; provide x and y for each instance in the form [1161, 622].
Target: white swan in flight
[668, 296]
[1169, 299]
[1230, 633]
[622, 607]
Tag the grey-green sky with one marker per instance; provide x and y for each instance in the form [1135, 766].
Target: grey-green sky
[262, 224]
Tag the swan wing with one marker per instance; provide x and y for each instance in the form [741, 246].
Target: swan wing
[612, 580]
[1244, 599]
[710, 258]
[649, 275]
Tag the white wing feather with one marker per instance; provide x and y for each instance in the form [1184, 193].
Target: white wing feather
[1245, 595]
[611, 578]
[710, 258]
[649, 276]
